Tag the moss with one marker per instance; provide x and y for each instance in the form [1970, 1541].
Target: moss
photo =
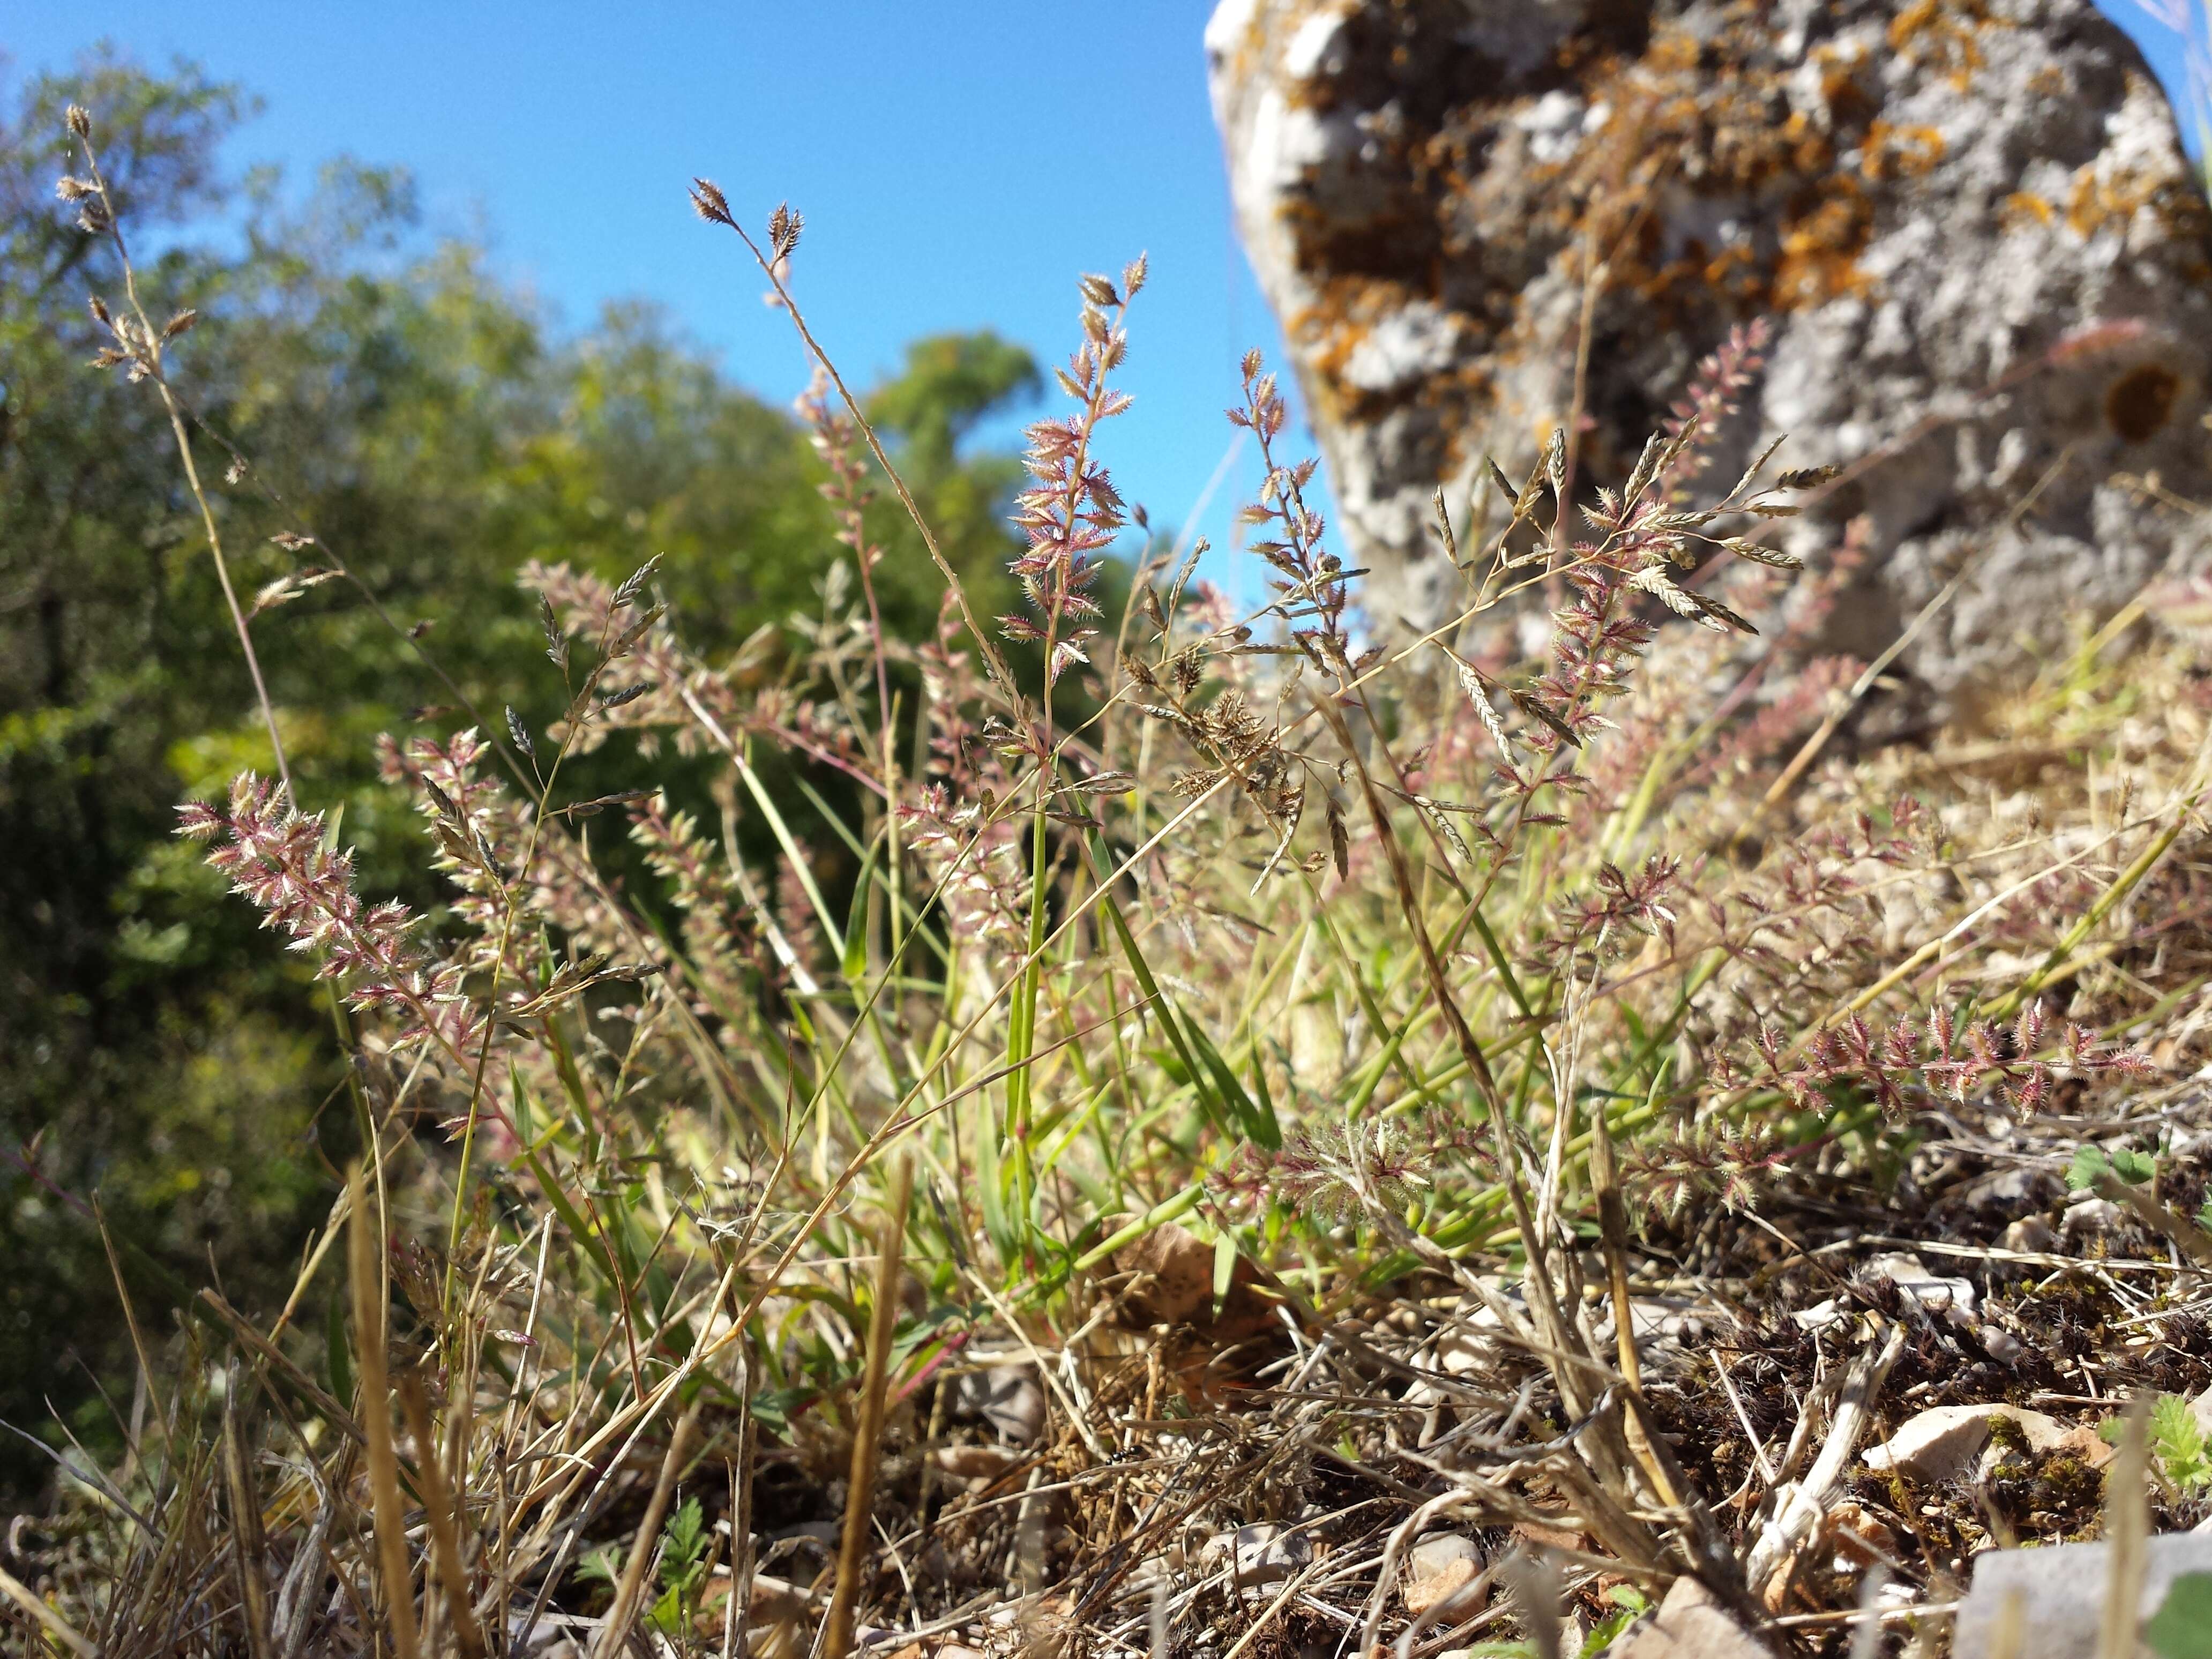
[2069, 1486]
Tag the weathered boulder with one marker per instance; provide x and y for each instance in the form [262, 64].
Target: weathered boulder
[1969, 222]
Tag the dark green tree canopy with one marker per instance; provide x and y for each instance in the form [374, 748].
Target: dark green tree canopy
[436, 430]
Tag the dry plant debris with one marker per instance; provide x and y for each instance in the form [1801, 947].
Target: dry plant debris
[1409, 1150]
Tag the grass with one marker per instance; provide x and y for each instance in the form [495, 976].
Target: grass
[1220, 988]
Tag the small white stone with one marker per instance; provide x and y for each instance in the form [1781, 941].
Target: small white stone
[1938, 1444]
[1259, 1555]
[977, 1465]
[1820, 1316]
[2090, 1215]
[1943, 1441]
[2031, 1236]
[2014, 1188]
[1930, 1292]
[1689, 1625]
[1440, 1568]
[1006, 1397]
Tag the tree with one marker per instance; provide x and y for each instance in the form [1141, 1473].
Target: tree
[435, 432]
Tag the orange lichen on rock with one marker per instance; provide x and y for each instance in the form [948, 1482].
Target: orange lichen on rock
[1900, 152]
[1821, 248]
[1906, 189]
[1941, 35]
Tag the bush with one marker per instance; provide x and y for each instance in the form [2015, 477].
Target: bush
[1207, 965]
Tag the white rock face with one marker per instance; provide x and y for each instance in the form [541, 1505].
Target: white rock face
[2060, 1593]
[1972, 228]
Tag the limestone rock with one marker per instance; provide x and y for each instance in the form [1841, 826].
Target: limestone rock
[1971, 226]
[979, 1466]
[2061, 1594]
[2014, 1188]
[1260, 1556]
[1930, 1293]
[2031, 1236]
[1173, 1270]
[1689, 1625]
[2089, 1215]
[1440, 1568]
[1946, 1442]
[1008, 1397]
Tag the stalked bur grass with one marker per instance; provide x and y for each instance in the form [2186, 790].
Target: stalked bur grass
[1351, 958]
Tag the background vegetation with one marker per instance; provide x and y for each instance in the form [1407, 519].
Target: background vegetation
[1028, 1079]
[439, 431]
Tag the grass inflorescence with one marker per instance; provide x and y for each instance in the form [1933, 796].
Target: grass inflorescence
[1110, 1134]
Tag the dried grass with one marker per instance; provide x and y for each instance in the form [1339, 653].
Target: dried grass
[1324, 1067]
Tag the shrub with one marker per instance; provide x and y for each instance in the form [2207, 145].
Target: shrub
[1333, 958]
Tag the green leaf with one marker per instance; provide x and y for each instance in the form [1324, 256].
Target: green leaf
[774, 1407]
[667, 1614]
[998, 1223]
[2177, 1439]
[684, 1541]
[2134, 1168]
[1630, 1604]
[1248, 1116]
[2182, 1626]
[2090, 1166]
[1224, 1268]
[1220, 1094]
[854, 967]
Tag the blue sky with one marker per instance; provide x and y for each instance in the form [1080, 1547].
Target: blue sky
[958, 164]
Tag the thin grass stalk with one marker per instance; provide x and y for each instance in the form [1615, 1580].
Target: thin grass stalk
[388, 1518]
[130, 1318]
[1613, 1231]
[54, 1625]
[2127, 1532]
[614, 1635]
[249, 1551]
[739, 1605]
[711, 206]
[511, 909]
[868, 1433]
[148, 351]
[441, 1510]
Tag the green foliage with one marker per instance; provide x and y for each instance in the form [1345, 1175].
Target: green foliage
[601, 1566]
[2182, 1626]
[2091, 1165]
[1629, 1604]
[951, 381]
[683, 1543]
[686, 1061]
[435, 433]
[2177, 1441]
